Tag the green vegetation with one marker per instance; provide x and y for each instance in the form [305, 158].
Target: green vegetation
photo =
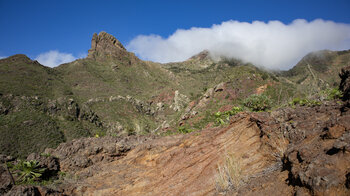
[180, 130]
[37, 111]
[22, 76]
[184, 130]
[28, 131]
[317, 71]
[257, 103]
[27, 171]
[222, 118]
[332, 93]
[304, 102]
[45, 154]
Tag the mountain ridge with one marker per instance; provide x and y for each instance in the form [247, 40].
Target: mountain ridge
[124, 126]
[131, 96]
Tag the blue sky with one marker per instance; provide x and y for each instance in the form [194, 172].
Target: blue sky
[36, 27]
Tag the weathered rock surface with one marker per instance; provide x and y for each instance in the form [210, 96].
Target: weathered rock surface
[28, 190]
[180, 101]
[182, 164]
[290, 151]
[345, 82]
[47, 161]
[23, 191]
[5, 180]
[81, 153]
[105, 46]
[317, 157]
[286, 152]
[301, 151]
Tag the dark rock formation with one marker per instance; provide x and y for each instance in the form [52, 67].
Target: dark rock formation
[23, 191]
[47, 161]
[345, 83]
[84, 152]
[5, 180]
[105, 46]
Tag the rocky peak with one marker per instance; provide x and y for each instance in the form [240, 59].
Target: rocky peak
[105, 45]
[201, 56]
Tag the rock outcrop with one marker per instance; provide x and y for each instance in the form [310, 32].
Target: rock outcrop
[105, 46]
[182, 164]
[180, 101]
[316, 158]
[285, 152]
[5, 180]
[345, 82]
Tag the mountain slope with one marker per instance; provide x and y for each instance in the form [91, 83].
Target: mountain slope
[37, 108]
[112, 92]
[22, 76]
[318, 70]
[289, 151]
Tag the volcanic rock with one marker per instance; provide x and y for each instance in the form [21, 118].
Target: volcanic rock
[345, 82]
[105, 46]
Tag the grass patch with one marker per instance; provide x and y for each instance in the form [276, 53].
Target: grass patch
[229, 174]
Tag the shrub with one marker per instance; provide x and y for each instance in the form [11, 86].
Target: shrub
[184, 130]
[264, 76]
[222, 117]
[45, 154]
[304, 102]
[27, 171]
[332, 93]
[257, 102]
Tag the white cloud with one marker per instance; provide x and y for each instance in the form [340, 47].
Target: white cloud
[54, 58]
[273, 45]
[2, 57]
[82, 55]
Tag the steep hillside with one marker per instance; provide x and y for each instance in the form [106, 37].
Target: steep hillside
[22, 76]
[301, 150]
[37, 108]
[318, 70]
[114, 93]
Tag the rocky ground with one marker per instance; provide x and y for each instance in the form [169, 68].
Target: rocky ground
[290, 151]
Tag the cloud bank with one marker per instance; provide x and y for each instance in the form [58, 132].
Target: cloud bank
[2, 57]
[273, 45]
[54, 58]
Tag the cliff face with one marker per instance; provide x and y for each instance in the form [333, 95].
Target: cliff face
[105, 47]
[104, 44]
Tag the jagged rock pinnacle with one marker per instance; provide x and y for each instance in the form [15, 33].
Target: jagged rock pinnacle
[105, 45]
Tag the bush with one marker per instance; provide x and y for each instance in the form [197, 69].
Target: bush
[257, 103]
[27, 171]
[304, 102]
[184, 130]
[222, 117]
[332, 93]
